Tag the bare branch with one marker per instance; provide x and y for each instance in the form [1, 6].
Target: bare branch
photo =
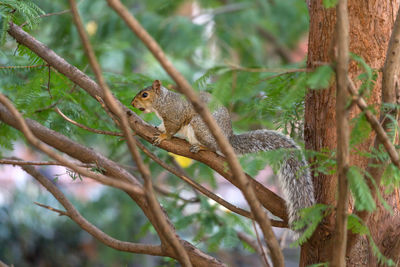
[60, 212]
[254, 245]
[11, 161]
[170, 194]
[168, 231]
[111, 168]
[48, 15]
[24, 67]
[343, 134]
[47, 150]
[223, 143]
[85, 127]
[373, 121]
[86, 225]
[278, 71]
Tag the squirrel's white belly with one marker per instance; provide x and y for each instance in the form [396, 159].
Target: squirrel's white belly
[188, 132]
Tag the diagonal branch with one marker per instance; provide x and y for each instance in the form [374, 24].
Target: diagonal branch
[60, 212]
[177, 173]
[65, 117]
[111, 168]
[270, 200]
[222, 141]
[169, 233]
[343, 134]
[375, 124]
[86, 225]
[47, 150]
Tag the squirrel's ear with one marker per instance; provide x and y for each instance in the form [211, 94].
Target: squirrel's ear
[156, 85]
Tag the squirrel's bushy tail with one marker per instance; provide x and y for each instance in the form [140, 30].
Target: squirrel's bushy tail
[294, 174]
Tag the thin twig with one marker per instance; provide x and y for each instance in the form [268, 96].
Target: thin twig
[167, 193]
[48, 82]
[47, 150]
[169, 232]
[40, 163]
[343, 134]
[260, 245]
[48, 15]
[86, 225]
[279, 71]
[24, 67]
[85, 127]
[59, 100]
[222, 141]
[254, 245]
[60, 212]
[375, 124]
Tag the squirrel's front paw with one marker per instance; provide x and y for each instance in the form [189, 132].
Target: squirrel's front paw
[196, 148]
[158, 138]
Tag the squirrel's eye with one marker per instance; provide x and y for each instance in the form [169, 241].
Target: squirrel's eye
[145, 94]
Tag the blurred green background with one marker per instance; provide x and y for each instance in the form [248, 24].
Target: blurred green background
[237, 50]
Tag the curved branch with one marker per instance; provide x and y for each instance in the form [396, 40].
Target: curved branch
[200, 107]
[111, 168]
[169, 233]
[85, 127]
[86, 225]
[48, 151]
[177, 173]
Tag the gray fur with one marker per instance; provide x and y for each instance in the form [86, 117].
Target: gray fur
[294, 175]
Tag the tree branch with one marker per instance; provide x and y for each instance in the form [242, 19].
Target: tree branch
[222, 141]
[270, 200]
[48, 151]
[111, 168]
[11, 161]
[167, 230]
[343, 134]
[376, 125]
[86, 225]
[85, 127]
[177, 173]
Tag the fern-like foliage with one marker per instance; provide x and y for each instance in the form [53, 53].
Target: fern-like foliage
[357, 226]
[18, 11]
[309, 220]
[360, 190]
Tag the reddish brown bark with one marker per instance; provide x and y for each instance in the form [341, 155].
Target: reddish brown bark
[371, 24]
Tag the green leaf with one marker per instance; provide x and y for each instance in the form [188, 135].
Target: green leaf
[330, 3]
[356, 226]
[361, 130]
[320, 78]
[309, 219]
[360, 190]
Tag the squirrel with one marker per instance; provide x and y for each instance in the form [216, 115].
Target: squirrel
[178, 116]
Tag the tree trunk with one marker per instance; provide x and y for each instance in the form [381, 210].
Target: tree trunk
[371, 24]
